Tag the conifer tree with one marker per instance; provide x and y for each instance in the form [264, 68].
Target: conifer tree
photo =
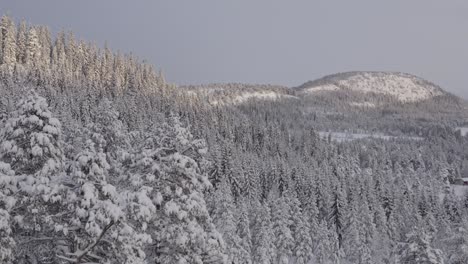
[284, 240]
[264, 248]
[417, 249]
[8, 42]
[336, 215]
[32, 139]
[21, 43]
[182, 229]
[243, 230]
[31, 156]
[7, 201]
[32, 49]
[223, 215]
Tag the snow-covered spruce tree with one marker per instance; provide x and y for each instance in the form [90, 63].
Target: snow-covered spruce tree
[99, 228]
[170, 164]
[324, 247]
[108, 210]
[32, 53]
[366, 233]
[302, 250]
[7, 201]
[458, 242]
[263, 236]
[417, 249]
[243, 231]
[31, 158]
[31, 141]
[337, 213]
[8, 42]
[21, 42]
[223, 214]
[284, 240]
[351, 237]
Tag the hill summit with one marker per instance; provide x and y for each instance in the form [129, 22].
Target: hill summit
[402, 86]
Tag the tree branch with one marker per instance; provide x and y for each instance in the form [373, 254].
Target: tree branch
[81, 254]
[91, 247]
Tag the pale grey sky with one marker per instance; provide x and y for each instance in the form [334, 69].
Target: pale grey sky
[271, 41]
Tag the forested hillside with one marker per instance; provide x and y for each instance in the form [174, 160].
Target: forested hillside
[102, 161]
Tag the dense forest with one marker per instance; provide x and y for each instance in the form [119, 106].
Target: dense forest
[102, 161]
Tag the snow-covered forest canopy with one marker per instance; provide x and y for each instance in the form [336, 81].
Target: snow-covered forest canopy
[102, 161]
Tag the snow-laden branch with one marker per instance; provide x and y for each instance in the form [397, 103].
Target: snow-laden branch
[80, 254]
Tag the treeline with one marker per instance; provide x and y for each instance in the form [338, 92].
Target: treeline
[63, 62]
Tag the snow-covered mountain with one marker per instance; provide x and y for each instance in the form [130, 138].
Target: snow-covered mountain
[403, 87]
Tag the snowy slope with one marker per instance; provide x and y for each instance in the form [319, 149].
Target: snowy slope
[403, 87]
[235, 94]
[243, 97]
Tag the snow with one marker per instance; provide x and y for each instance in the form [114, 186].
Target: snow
[463, 131]
[323, 88]
[246, 96]
[345, 137]
[259, 95]
[404, 88]
[459, 190]
[222, 96]
[363, 104]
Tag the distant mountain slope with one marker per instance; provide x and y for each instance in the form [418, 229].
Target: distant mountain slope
[395, 103]
[403, 87]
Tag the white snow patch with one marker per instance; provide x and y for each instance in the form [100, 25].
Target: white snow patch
[322, 88]
[459, 190]
[346, 137]
[256, 95]
[463, 130]
[246, 96]
[363, 104]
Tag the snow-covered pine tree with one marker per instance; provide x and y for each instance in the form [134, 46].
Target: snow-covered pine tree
[8, 42]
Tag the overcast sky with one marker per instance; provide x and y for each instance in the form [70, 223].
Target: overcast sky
[271, 41]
